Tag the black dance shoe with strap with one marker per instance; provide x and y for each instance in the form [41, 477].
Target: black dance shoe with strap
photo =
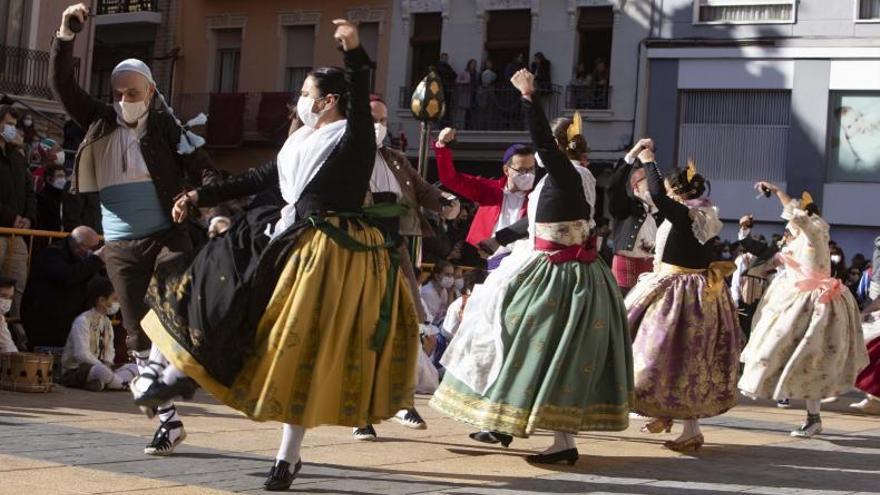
[160, 393]
[280, 477]
[569, 456]
[492, 437]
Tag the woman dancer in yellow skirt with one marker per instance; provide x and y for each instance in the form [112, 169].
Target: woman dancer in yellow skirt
[306, 322]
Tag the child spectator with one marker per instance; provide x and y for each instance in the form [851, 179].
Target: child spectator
[88, 355]
[7, 292]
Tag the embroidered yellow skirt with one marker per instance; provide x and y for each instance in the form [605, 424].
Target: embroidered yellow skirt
[312, 362]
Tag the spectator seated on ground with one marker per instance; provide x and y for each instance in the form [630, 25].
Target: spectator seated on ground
[88, 355]
[7, 292]
[56, 290]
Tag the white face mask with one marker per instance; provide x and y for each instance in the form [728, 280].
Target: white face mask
[59, 183]
[131, 111]
[524, 182]
[9, 133]
[304, 110]
[113, 309]
[27, 122]
[381, 132]
[5, 305]
[59, 158]
[459, 283]
[447, 282]
[835, 258]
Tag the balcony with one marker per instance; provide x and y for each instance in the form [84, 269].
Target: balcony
[234, 118]
[112, 12]
[584, 97]
[25, 72]
[492, 108]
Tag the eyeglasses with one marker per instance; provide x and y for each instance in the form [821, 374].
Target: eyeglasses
[521, 171]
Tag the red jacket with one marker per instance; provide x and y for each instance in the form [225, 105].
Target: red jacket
[488, 194]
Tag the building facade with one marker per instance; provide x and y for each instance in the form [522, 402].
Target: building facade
[782, 90]
[592, 47]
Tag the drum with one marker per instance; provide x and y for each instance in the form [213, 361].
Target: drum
[26, 372]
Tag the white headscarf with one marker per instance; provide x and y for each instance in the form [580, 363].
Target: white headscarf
[189, 140]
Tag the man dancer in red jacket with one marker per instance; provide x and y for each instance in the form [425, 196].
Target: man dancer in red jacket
[501, 201]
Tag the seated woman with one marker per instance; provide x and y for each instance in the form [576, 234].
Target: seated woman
[309, 325]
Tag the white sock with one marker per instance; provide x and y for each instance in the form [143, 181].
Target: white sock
[101, 373]
[690, 429]
[167, 412]
[291, 443]
[122, 376]
[814, 406]
[142, 360]
[561, 441]
[171, 374]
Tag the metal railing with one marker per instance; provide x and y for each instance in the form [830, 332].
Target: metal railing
[488, 108]
[127, 6]
[585, 97]
[26, 72]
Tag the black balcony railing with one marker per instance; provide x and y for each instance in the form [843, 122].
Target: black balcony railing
[127, 6]
[587, 97]
[488, 108]
[26, 72]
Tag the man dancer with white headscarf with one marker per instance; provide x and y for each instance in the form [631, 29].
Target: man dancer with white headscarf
[139, 158]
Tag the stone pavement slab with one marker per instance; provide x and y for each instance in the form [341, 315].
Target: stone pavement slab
[76, 442]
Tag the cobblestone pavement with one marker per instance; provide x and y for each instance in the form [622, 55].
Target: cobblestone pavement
[77, 442]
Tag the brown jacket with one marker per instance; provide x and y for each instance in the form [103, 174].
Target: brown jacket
[417, 193]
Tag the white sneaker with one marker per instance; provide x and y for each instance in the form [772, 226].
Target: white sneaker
[808, 430]
[167, 437]
[783, 404]
[367, 433]
[867, 406]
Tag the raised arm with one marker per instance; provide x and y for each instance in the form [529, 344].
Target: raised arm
[359, 121]
[76, 102]
[555, 162]
[477, 189]
[677, 213]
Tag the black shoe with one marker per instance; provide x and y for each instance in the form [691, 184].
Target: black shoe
[492, 437]
[280, 478]
[411, 419]
[367, 433]
[568, 455]
[162, 444]
[160, 393]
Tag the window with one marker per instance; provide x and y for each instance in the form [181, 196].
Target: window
[228, 43]
[869, 10]
[300, 56]
[368, 32]
[425, 43]
[744, 11]
[590, 86]
[508, 34]
[854, 136]
[735, 134]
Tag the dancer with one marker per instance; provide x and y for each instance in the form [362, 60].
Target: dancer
[806, 340]
[687, 338]
[313, 327]
[543, 342]
[754, 271]
[395, 179]
[635, 219]
[869, 379]
[138, 157]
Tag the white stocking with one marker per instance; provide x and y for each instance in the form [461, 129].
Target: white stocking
[561, 441]
[122, 375]
[691, 428]
[291, 443]
[813, 406]
[101, 373]
[171, 374]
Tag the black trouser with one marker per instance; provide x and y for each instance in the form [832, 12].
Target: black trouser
[746, 314]
[130, 266]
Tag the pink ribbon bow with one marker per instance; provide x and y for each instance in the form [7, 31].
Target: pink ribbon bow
[830, 287]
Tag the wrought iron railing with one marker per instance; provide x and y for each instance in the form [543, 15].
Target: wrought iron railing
[488, 108]
[587, 97]
[26, 72]
[127, 6]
